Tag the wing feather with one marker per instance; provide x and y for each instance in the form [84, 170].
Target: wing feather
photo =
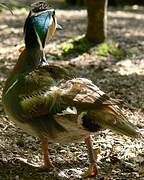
[79, 92]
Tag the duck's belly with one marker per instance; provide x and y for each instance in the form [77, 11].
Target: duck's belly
[19, 121]
[73, 131]
[26, 127]
[42, 127]
[70, 136]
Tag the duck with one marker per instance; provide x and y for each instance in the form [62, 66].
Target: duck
[46, 102]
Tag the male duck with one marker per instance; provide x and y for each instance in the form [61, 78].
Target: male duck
[37, 95]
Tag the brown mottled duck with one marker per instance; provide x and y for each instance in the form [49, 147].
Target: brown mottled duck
[37, 95]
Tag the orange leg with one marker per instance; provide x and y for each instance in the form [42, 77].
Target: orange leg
[47, 163]
[92, 170]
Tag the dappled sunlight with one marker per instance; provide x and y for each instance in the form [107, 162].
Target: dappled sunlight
[130, 24]
[71, 14]
[125, 14]
[127, 67]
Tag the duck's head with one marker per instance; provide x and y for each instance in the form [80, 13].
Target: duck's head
[40, 25]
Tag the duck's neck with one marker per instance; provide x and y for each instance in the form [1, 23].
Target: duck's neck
[29, 60]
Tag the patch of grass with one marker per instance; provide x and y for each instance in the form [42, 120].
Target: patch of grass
[80, 44]
[76, 45]
[109, 48]
[115, 50]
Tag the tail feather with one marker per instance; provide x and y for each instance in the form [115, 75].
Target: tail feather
[111, 117]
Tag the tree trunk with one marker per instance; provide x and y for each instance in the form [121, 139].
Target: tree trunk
[96, 29]
[75, 2]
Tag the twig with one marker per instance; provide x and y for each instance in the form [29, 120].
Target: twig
[4, 5]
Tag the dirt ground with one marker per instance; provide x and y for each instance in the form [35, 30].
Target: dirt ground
[120, 157]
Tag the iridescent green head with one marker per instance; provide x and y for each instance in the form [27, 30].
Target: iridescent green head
[40, 25]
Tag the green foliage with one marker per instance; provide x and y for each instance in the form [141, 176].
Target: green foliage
[80, 45]
[67, 47]
[76, 45]
[110, 48]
